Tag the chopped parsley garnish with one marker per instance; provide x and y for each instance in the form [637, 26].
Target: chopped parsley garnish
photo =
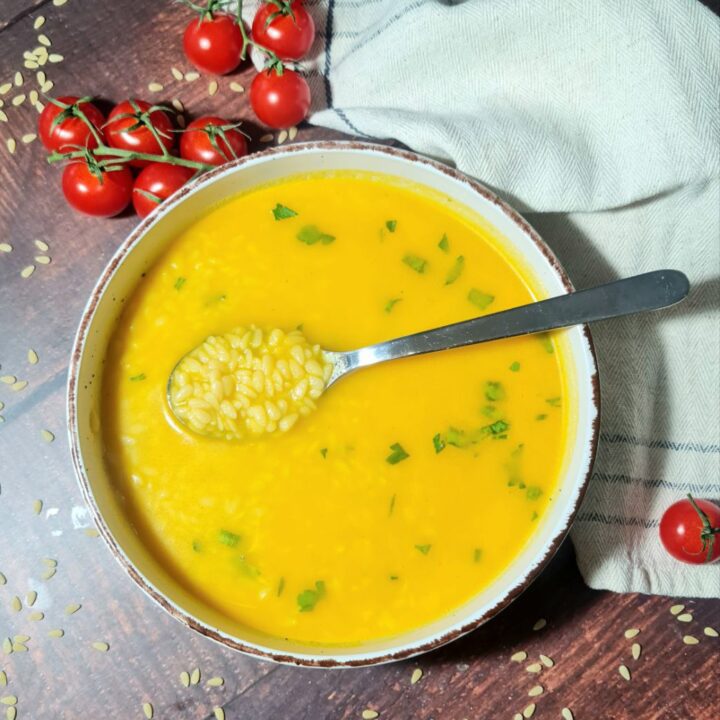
[462, 438]
[137, 378]
[533, 492]
[438, 443]
[228, 538]
[487, 410]
[394, 577]
[541, 416]
[455, 271]
[480, 299]
[391, 304]
[397, 455]
[547, 343]
[323, 452]
[497, 428]
[494, 391]
[179, 283]
[248, 570]
[281, 212]
[424, 549]
[444, 244]
[553, 401]
[197, 546]
[212, 300]
[391, 509]
[281, 586]
[416, 263]
[515, 366]
[391, 225]
[517, 452]
[534, 516]
[307, 599]
[477, 554]
[310, 235]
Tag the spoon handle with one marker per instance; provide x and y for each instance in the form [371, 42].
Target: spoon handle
[639, 293]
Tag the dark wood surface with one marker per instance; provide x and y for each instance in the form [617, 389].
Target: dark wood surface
[112, 49]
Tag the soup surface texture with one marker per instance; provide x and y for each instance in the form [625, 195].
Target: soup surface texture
[412, 485]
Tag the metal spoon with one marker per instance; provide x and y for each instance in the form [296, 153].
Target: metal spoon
[640, 293]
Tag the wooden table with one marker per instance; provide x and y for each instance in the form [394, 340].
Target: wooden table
[113, 48]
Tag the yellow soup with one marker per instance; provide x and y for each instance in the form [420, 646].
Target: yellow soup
[412, 486]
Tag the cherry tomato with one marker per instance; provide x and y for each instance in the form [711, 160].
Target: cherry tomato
[289, 34]
[157, 180]
[690, 531]
[213, 44]
[105, 196]
[213, 141]
[128, 128]
[280, 101]
[70, 130]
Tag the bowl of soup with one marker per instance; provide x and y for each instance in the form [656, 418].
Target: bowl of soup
[420, 496]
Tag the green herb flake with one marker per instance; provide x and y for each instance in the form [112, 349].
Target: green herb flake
[391, 225]
[444, 244]
[477, 555]
[438, 443]
[541, 416]
[394, 577]
[196, 546]
[323, 452]
[416, 263]
[281, 212]
[534, 516]
[515, 367]
[281, 586]
[497, 428]
[397, 455]
[391, 508]
[310, 235]
[307, 599]
[494, 391]
[228, 538]
[547, 343]
[533, 492]
[138, 378]
[480, 299]
[391, 304]
[179, 283]
[456, 438]
[488, 410]
[554, 401]
[424, 549]
[455, 271]
[248, 570]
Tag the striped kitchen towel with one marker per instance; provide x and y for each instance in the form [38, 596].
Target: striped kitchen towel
[599, 121]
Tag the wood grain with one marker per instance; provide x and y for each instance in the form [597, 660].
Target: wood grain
[113, 49]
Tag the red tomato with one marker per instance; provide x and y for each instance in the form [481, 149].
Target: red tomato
[157, 180]
[280, 101]
[289, 34]
[70, 130]
[103, 197]
[128, 128]
[206, 141]
[214, 44]
[690, 531]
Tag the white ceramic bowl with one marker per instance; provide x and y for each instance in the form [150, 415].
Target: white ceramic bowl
[139, 252]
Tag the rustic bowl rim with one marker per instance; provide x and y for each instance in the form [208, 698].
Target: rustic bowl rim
[86, 488]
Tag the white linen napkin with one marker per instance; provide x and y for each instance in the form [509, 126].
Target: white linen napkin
[601, 122]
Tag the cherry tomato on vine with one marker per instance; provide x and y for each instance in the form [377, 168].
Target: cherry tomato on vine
[61, 129]
[213, 43]
[155, 183]
[102, 196]
[690, 531]
[213, 141]
[284, 27]
[137, 126]
[280, 100]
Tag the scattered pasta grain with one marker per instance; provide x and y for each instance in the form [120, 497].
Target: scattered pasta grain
[181, 121]
[185, 679]
[236, 87]
[517, 716]
[676, 609]
[47, 86]
[21, 638]
[176, 73]
[36, 616]
[41, 245]
[534, 668]
[195, 676]
[44, 40]
[91, 532]
[9, 700]
[50, 562]
[536, 690]
[18, 100]
[5, 247]
[155, 87]
[282, 137]
[15, 604]
[529, 711]
[101, 646]
[32, 357]
[148, 710]
[30, 598]
[631, 633]
[8, 379]
[37, 506]
[191, 76]
[3, 678]
[27, 138]
[216, 681]
[267, 138]
[709, 631]
[3, 116]
[72, 608]
[547, 661]
[635, 651]
[33, 97]
[624, 672]
[55, 58]
[59, 3]
[11, 713]
[540, 624]
[292, 133]
[39, 22]
[56, 633]
[5, 88]
[219, 713]
[19, 385]
[519, 657]
[49, 573]
[7, 646]
[417, 673]
[177, 104]
[18, 80]
[690, 640]
[370, 714]
[567, 714]
[19, 647]
[684, 617]
[212, 87]
[47, 436]
[26, 272]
